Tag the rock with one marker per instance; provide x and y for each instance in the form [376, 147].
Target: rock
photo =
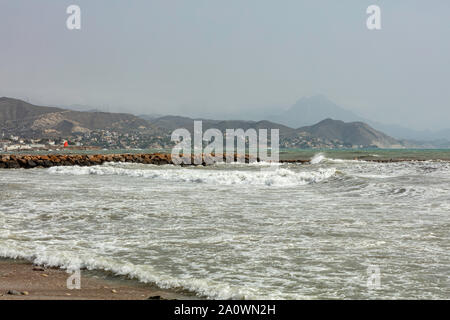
[44, 275]
[12, 164]
[24, 293]
[38, 268]
[13, 293]
[114, 291]
[48, 163]
[154, 298]
[31, 163]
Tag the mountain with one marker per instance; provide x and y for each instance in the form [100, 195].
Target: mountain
[28, 120]
[150, 117]
[354, 133]
[173, 122]
[310, 110]
[14, 110]
[328, 130]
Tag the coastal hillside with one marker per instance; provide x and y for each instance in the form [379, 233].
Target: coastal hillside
[121, 130]
[12, 110]
[354, 133]
[23, 119]
[173, 122]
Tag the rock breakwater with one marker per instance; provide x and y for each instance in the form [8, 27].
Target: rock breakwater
[10, 161]
[46, 161]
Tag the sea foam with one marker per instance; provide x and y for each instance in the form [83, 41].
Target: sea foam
[269, 177]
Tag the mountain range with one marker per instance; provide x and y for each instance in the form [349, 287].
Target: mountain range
[23, 119]
[310, 110]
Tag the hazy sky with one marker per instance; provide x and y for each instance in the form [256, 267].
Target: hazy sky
[231, 56]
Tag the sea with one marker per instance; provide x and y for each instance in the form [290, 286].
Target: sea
[340, 227]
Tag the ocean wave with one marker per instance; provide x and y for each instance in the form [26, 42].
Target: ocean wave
[70, 261]
[268, 177]
[321, 158]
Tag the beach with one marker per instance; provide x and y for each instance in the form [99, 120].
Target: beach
[21, 280]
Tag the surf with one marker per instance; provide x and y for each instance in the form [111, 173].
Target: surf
[269, 176]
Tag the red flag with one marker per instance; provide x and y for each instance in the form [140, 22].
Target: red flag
[66, 144]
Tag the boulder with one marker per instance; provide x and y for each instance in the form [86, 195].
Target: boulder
[31, 164]
[13, 164]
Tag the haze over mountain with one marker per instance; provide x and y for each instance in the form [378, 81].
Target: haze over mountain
[305, 112]
[232, 58]
[27, 120]
[174, 122]
[310, 110]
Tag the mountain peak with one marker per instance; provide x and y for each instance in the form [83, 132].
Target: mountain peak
[310, 110]
[328, 121]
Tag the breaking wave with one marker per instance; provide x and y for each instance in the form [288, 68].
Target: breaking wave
[70, 261]
[321, 158]
[265, 176]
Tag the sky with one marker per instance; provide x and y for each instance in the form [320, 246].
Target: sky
[231, 57]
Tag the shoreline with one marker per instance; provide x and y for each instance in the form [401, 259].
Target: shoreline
[22, 280]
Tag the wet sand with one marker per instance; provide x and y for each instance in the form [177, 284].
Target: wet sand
[21, 280]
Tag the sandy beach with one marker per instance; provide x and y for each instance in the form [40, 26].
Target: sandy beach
[21, 280]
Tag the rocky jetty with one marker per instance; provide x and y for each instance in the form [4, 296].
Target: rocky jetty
[46, 161]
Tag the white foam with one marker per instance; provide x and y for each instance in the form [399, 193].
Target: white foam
[318, 158]
[276, 177]
[321, 158]
[209, 288]
[149, 222]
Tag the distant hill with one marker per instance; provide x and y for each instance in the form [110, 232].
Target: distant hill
[173, 122]
[310, 110]
[151, 116]
[355, 133]
[28, 120]
[14, 110]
